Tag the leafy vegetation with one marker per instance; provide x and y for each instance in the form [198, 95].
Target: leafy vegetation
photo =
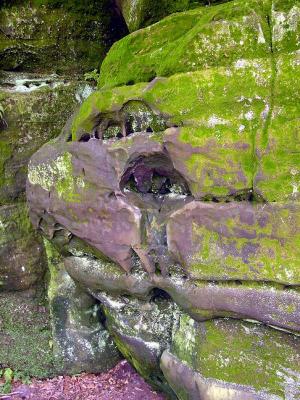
[9, 376]
[92, 76]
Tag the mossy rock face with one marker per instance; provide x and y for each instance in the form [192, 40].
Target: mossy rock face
[80, 342]
[226, 359]
[25, 334]
[213, 148]
[278, 169]
[141, 13]
[238, 241]
[191, 41]
[245, 55]
[36, 108]
[168, 175]
[53, 37]
[22, 259]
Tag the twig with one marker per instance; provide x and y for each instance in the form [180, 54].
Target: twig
[9, 395]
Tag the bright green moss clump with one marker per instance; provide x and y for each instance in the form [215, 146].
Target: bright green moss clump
[241, 353]
[197, 39]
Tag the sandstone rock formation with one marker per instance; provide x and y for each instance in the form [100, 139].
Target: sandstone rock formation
[173, 200]
[169, 204]
[45, 46]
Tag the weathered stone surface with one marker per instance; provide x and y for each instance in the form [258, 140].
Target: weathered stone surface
[242, 241]
[22, 258]
[201, 300]
[75, 184]
[141, 330]
[80, 342]
[224, 359]
[62, 37]
[165, 186]
[36, 108]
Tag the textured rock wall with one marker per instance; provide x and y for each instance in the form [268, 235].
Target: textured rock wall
[57, 36]
[173, 200]
[169, 205]
[36, 108]
[45, 47]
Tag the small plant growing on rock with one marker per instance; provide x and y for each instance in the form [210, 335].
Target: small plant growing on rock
[7, 374]
[92, 76]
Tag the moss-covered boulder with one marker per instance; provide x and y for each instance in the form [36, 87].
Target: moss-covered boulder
[55, 36]
[179, 177]
[22, 259]
[225, 359]
[191, 41]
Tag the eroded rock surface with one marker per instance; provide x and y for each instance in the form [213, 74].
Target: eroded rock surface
[45, 49]
[173, 201]
[65, 37]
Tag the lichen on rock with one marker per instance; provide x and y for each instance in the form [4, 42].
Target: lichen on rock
[173, 201]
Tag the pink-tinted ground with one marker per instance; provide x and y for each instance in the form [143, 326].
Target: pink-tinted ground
[120, 383]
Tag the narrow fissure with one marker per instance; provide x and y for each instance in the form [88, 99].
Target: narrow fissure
[265, 131]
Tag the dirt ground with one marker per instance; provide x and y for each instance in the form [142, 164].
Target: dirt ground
[120, 383]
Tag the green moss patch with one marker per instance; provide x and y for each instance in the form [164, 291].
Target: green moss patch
[242, 353]
[25, 339]
[197, 39]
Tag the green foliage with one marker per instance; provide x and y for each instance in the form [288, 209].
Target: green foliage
[91, 76]
[10, 377]
[7, 375]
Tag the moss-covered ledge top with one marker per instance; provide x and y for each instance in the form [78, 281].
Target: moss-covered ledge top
[224, 75]
[238, 125]
[202, 38]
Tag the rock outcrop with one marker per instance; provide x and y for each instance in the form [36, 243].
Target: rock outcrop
[56, 36]
[45, 46]
[173, 200]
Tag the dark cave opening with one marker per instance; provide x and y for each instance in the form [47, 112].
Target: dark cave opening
[154, 174]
